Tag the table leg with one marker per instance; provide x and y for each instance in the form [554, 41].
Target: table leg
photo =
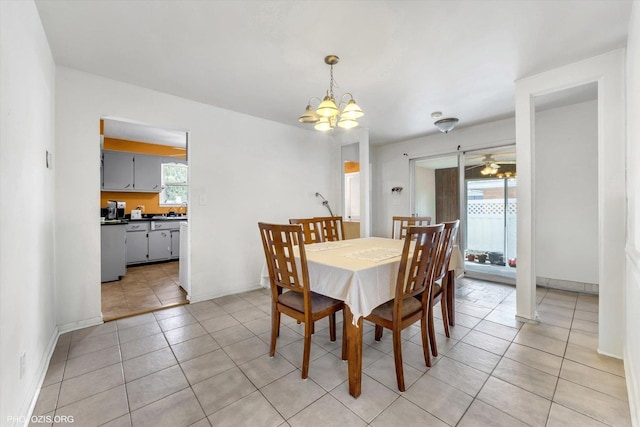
[354, 348]
[451, 296]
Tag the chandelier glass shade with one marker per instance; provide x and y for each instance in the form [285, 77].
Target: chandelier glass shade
[329, 113]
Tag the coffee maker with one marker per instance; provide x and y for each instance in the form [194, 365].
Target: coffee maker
[121, 208]
[112, 208]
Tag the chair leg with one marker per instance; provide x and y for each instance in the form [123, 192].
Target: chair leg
[275, 331]
[432, 332]
[445, 315]
[425, 341]
[332, 326]
[397, 355]
[307, 349]
[344, 336]
[378, 333]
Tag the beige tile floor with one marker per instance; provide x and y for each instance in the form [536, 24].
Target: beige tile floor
[145, 288]
[208, 364]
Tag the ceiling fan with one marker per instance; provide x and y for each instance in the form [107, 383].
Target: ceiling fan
[490, 166]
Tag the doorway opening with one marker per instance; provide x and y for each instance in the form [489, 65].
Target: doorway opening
[144, 211]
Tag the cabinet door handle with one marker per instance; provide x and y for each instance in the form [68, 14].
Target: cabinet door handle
[127, 186]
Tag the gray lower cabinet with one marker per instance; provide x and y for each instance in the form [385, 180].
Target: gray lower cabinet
[151, 241]
[175, 244]
[137, 242]
[159, 245]
[113, 249]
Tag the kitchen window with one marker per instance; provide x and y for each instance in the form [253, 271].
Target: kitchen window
[175, 184]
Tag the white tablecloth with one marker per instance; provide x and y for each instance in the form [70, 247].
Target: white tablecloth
[360, 272]
[348, 274]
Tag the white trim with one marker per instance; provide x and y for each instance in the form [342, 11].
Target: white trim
[73, 326]
[608, 71]
[34, 390]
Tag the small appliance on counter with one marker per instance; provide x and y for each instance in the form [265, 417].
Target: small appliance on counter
[121, 207]
[112, 207]
[136, 214]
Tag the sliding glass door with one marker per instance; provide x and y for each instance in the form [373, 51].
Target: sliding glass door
[490, 212]
[479, 188]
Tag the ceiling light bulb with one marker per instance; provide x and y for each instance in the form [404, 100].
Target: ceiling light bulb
[327, 107]
[347, 123]
[352, 110]
[323, 124]
[309, 116]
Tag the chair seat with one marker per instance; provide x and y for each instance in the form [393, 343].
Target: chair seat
[295, 301]
[385, 311]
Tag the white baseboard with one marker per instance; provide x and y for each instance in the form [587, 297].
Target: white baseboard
[36, 385]
[213, 295]
[633, 388]
[68, 327]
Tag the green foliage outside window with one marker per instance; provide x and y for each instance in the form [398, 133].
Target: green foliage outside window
[175, 182]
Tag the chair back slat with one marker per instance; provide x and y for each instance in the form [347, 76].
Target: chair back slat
[400, 224]
[278, 242]
[332, 228]
[311, 229]
[448, 242]
[418, 262]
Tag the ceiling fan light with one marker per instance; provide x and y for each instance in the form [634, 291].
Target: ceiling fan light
[309, 116]
[327, 107]
[352, 110]
[446, 125]
[347, 123]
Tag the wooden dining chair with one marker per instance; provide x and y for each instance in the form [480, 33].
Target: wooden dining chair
[401, 223]
[440, 289]
[290, 290]
[311, 229]
[415, 277]
[332, 228]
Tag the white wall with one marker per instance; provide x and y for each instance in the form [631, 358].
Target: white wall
[27, 291]
[425, 183]
[567, 193]
[241, 169]
[632, 287]
[391, 164]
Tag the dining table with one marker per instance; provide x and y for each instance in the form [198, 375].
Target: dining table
[361, 272]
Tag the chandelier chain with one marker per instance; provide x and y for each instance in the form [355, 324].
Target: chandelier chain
[331, 82]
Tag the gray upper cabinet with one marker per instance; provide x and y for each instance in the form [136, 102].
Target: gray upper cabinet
[147, 173]
[117, 171]
[122, 171]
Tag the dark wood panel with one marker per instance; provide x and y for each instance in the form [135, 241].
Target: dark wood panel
[447, 195]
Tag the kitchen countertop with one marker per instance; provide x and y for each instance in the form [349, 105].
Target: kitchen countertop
[114, 222]
[155, 218]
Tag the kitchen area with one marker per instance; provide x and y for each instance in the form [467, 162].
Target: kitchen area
[143, 217]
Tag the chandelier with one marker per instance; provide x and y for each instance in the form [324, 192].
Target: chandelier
[328, 114]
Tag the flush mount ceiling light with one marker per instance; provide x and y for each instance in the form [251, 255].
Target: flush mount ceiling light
[445, 125]
[329, 113]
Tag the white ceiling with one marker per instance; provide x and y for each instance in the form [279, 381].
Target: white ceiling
[401, 60]
[121, 129]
